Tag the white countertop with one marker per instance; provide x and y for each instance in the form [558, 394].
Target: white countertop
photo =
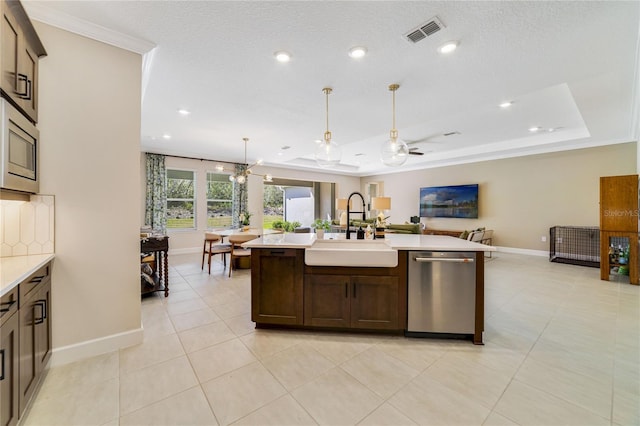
[395, 241]
[15, 269]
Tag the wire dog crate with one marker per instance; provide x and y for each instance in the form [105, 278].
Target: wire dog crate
[577, 245]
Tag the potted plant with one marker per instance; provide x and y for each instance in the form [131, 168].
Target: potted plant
[245, 219]
[321, 226]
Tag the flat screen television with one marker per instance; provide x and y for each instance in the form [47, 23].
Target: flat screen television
[459, 201]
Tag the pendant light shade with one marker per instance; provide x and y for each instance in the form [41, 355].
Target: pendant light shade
[394, 151]
[328, 152]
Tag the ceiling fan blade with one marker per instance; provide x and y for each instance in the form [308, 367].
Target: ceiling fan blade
[415, 152]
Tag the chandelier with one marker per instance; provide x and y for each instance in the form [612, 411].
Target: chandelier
[328, 152]
[241, 178]
[394, 151]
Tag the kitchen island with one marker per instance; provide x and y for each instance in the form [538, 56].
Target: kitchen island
[343, 287]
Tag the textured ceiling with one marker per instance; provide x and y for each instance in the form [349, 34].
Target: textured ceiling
[570, 66]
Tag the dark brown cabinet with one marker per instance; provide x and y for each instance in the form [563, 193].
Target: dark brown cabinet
[9, 359]
[35, 331]
[277, 286]
[359, 301]
[21, 50]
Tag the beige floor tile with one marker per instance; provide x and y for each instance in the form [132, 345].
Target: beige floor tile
[222, 358]
[181, 296]
[283, 411]
[233, 309]
[416, 353]
[241, 324]
[297, 365]
[386, 415]
[626, 407]
[144, 387]
[475, 381]
[336, 398]
[150, 352]
[579, 389]
[156, 327]
[185, 306]
[76, 405]
[185, 408]
[264, 343]
[218, 294]
[204, 336]
[529, 406]
[87, 372]
[496, 419]
[194, 319]
[341, 347]
[426, 401]
[242, 391]
[381, 373]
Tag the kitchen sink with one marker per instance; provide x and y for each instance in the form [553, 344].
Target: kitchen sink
[367, 253]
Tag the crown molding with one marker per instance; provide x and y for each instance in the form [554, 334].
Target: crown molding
[47, 15]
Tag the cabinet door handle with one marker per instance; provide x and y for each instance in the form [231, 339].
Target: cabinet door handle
[41, 305]
[27, 96]
[9, 304]
[346, 290]
[354, 290]
[277, 252]
[36, 280]
[19, 79]
[2, 371]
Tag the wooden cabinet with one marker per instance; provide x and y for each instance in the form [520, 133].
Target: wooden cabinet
[359, 301]
[277, 286]
[35, 331]
[9, 359]
[619, 226]
[21, 50]
[158, 250]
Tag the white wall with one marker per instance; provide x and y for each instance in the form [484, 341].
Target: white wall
[519, 198]
[90, 149]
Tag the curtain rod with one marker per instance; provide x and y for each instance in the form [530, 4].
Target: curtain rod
[194, 158]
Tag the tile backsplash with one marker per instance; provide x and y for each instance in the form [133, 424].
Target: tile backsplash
[27, 227]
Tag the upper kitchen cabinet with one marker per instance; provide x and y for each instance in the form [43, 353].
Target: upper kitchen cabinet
[21, 50]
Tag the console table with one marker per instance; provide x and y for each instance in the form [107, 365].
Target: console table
[159, 247]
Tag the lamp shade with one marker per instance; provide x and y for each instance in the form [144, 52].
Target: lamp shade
[341, 203]
[381, 203]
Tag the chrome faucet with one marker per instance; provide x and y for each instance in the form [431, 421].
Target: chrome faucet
[349, 211]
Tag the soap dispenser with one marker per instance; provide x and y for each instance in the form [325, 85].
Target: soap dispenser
[360, 233]
[368, 233]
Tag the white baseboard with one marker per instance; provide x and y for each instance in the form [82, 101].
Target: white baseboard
[530, 252]
[78, 351]
[188, 250]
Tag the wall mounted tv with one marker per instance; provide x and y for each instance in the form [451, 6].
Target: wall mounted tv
[459, 201]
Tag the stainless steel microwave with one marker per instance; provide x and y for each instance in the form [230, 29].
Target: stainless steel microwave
[19, 153]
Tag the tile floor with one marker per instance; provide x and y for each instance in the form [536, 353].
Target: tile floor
[561, 347]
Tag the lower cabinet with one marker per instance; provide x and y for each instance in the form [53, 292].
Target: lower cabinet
[9, 359]
[344, 301]
[276, 286]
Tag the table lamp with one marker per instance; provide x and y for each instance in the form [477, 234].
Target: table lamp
[381, 204]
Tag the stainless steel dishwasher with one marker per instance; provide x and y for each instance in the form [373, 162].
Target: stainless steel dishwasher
[441, 293]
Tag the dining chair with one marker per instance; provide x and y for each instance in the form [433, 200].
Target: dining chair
[212, 246]
[237, 251]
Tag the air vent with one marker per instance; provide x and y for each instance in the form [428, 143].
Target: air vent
[425, 30]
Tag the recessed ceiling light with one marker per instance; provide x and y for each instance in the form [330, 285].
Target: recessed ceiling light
[357, 52]
[282, 56]
[318, 141]
[166, 136]
[280, 154]
[449, 47]
[183, 111]
[506, 104]
[535, 129]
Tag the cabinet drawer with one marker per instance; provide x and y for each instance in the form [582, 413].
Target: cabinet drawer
[29, 286]
[8, 305]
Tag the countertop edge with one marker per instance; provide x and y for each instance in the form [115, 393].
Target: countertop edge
[19, 273]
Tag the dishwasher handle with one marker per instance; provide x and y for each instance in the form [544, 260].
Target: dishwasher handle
[445, 259]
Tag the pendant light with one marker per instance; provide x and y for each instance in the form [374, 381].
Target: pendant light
[395, 151]
[241, 178]
[328, 152]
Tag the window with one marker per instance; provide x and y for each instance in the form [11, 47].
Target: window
[181, 201]
[219, 200]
